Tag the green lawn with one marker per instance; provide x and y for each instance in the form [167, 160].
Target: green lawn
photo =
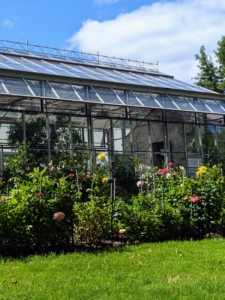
[171, 270]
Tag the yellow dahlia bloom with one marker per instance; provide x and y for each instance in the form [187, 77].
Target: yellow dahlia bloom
[201, 170]
[121, 231]
[102, 156]
[105, 180]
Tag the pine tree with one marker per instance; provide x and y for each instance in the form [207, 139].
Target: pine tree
[208, 76]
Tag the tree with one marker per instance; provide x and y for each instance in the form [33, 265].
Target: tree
[220, 53]
[208, 77]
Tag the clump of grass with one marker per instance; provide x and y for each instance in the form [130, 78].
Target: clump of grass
[170, 270]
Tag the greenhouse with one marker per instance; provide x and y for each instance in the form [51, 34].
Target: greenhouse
[65, 101]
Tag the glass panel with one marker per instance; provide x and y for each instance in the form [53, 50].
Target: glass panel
[79, 133]
[36, 132]
[122, 136]
[220, 130]
[200, 106]
[59, 132]
[2, 90]
[215, 119]
[4, 66]
[16, 86]
[152, 80]
[101, 133]
[179, 116]
[41, 88]
[122, 94]
[146, 99]
[102, 110]
[182, 103]
[31, 104]
[110, 75]
[140, 136]
[47, 90]
[81, 90]
[164, 101]
[192, 138]
[178, 159]
[167, 103]
[145, 159]
[214, 106]
[208, 139]
[10, 128]
[64, 91]
[56, 68]
[12, 64]
[108, 96]
[40, 66]
[222, 104]
[36, 87]
[132, 100]
[64, 106]
[176, 137]
[92, 97]
[159, 158]
[76, 70]
[125, 76]
[138, 113]
[202, 118]
[159, 147]
[154, 114]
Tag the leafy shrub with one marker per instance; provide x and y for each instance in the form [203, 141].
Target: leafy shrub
[27, 214]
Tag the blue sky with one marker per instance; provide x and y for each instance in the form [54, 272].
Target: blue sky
[48, 22]
[170, 32]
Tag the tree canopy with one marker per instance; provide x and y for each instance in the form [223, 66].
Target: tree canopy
[212, 74]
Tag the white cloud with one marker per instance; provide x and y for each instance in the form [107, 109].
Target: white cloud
[168, 32]
[7, 23]
[100, 2]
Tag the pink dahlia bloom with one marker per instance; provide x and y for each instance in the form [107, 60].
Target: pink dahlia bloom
[58, 216]
[170, 164]
[87, 176]
[40, 194]
[139, 184]
[162, 171]
[194, 198]
[71, 176]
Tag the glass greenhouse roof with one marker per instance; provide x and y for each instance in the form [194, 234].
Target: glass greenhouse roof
[67, 66]
[32, 89]
[51, 61]
[42, 66]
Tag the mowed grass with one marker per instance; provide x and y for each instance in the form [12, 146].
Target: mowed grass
[170, 270]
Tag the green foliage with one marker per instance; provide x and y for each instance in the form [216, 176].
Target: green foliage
[93, 219]
[208, 76]
[45, 209]
[27, 214]
[125, 170]
[220, 53]
[211, 76]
